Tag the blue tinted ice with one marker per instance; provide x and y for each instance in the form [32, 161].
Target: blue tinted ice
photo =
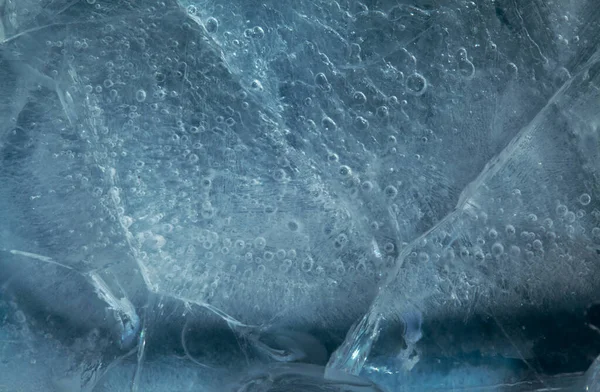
[209, 195]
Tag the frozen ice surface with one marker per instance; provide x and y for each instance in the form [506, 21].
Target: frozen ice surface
[475, 258]
[179, 177]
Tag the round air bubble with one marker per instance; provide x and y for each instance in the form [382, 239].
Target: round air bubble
[466, 68]
[333, 157]
[359, 98]
[258, 32]
[322, 82]
[366, 186]
[307, 264]
[497, 249]
[390, 192]
[285, 266]
[256, 85]
[416, 84]
[510, 230]
[192, 10]
[383, 112]
[585, 199]
[361, 123]
[328, 124]
[211, 25]
[561, 210]
[345, 171]
[260, 243]
[388, 247]
[140, 95]
[515, 251]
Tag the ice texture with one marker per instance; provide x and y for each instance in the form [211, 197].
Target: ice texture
[475, 258]
[198, 195]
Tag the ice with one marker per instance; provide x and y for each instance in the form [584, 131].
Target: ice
[194, 192]
[475, 259]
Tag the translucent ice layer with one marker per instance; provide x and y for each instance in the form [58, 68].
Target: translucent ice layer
[529, 220]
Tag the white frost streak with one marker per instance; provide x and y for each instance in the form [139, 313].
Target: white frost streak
[122, 305]
[35, 256]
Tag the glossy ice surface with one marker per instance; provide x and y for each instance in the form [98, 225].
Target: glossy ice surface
[312, 194]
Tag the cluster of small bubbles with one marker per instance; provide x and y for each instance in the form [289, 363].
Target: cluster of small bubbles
[361, 123]
[140, 95]
[416, 84]
[537, 245]
[328, 124]
[390, 192]
[345, 171]
[211, 25]
[359, 98]
[585, 199]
